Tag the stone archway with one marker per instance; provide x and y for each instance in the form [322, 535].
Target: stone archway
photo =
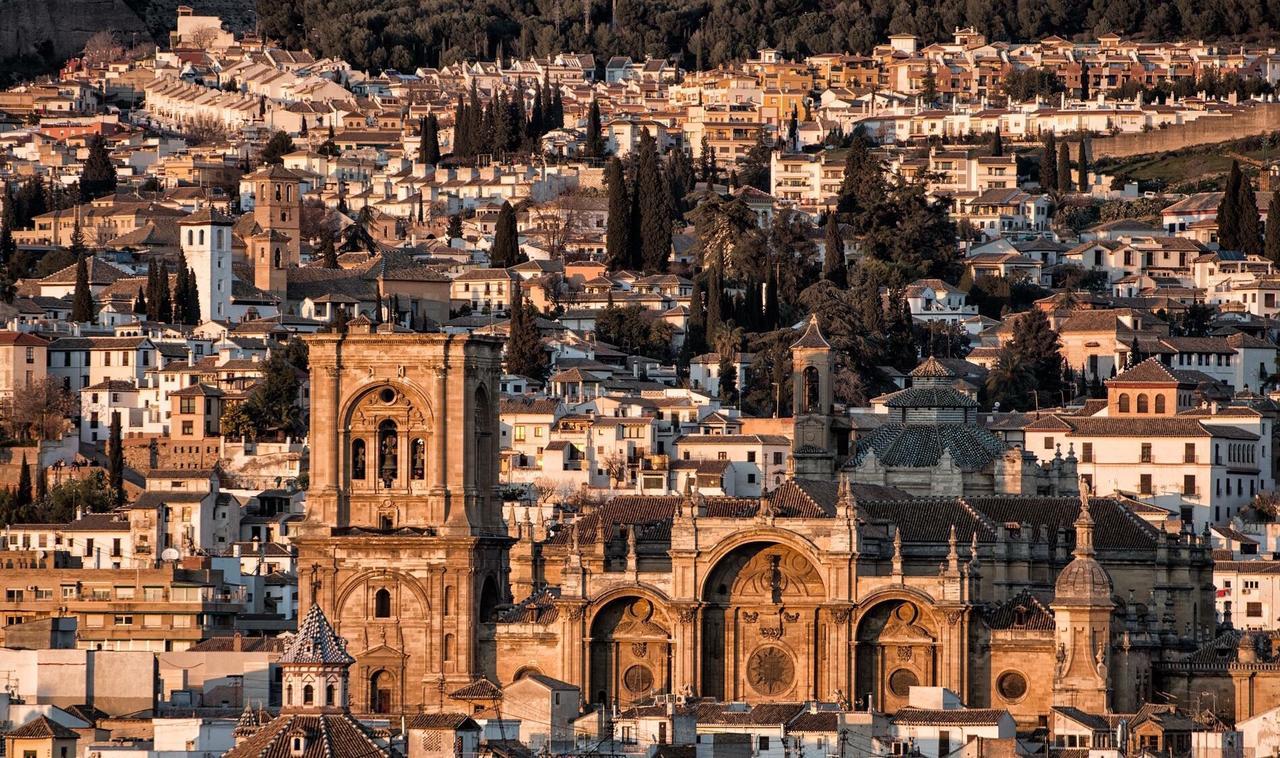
[760, 625]
[630, 656]
[896, 649]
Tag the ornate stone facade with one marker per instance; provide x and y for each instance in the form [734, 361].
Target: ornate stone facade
[403, 545]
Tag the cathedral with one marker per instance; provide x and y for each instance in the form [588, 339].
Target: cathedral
[826, 588]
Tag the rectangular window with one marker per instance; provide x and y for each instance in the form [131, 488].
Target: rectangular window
[722, 455]
[764, 744]
[1146, 453]
[1189, 484]
[777, 459]
[1144, 484]
[1086, 452]
[123, 620]
[1189, 452]
[751, 456]
[1253, 610]
[1048, 443]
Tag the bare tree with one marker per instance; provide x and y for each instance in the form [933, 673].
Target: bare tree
[615, 465]
[202, 129]
[202, 38]
[102, 47]
[38, 411]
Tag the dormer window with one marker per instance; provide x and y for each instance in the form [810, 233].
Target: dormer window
[297, 745]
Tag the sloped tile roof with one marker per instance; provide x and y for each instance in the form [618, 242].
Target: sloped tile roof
[896, 444]
[316, 642]
[326, 736]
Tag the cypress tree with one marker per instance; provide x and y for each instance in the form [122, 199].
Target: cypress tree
[770, 299]
[454, 232]
[115, 461]
[7, 245]
[152, 290]
[82, 300]
[42, 485]
[834, 269]
[595, 137]
[177, 305]
[164, 296]
[328, 254]
[98, 177]
[1083, 167]
[655, 213]
[1229, 210]
[1064, 168]
[429, 149]
[140, 304]
[997, 143]
[461, 134]
[506, 243]
[707, 168]
[77, 247]
[635, 240]
[525, 355]
[1250, 219]
[22, 498]
[616, 244]
[1048, 164]
[192, 300]
[1272, 247]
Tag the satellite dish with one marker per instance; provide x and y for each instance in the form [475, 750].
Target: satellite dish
[170, 554]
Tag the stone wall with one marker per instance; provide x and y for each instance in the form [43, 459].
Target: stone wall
[1261, 118]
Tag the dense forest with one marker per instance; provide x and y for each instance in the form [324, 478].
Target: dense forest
[403, 34]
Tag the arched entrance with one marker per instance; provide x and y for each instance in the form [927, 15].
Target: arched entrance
[381, 692]
[630, 652]
[896, 649]
[760, 625]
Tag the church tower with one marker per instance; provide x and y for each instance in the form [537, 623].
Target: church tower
[276, 244]
[1082, 607]
[403, 545]
[205, 238]
[812, 395]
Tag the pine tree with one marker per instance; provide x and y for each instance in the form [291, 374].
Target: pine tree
[1048, 164]
[1082, 166]
[82, 300]
[1250, 220]
[617, 251]
[115, 461]
[525, 354]
[454, 231]
[506, 243]
[595, 135]
[834, 268]
[655, 213]
[98, 177]
[997, 143]
[1229, 210]
[1064, 168]
[23, 497]
[1272, 247]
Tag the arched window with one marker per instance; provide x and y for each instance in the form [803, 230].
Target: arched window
[448, 647]
[308, 695]
[284, 217]
[276, 258]
[330, 694]
[1143, 406]
[1159, 403]
[448, 601]
[1123, 403]
[388, 453]
[812, 390]
[277, 192]
[288, 695]
[200, 236]
[382, 604]
[357, 459]
[419, 459]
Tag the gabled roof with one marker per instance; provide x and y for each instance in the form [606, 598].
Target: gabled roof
[42, 728]
[812, 337]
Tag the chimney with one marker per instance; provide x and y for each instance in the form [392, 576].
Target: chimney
[235, 549]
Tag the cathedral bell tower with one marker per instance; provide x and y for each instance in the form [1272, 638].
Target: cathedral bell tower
[403, 545]
[1082, 608]
[813, 451]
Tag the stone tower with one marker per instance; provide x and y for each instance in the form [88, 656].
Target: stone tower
[277, 213]
[403, 545]
[1082, 607]
[205, 237]
[812, 366]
